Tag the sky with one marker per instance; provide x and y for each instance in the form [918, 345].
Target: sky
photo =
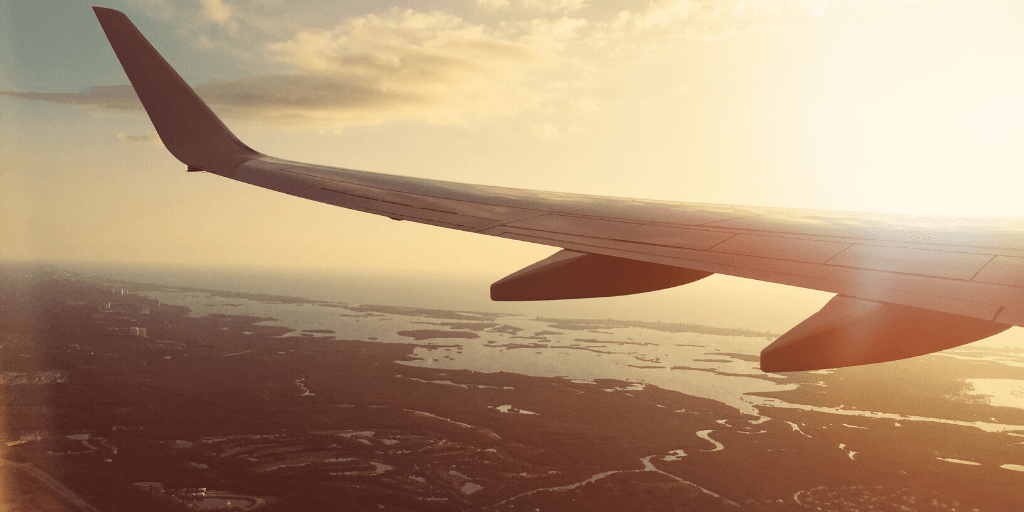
[910, 106]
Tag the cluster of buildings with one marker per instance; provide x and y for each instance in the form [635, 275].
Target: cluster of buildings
[192, 498]
[157, 489]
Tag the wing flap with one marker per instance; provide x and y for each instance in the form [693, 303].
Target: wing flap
[921, 262]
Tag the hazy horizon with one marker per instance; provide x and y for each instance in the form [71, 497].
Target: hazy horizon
[764, 307]
[717, 301]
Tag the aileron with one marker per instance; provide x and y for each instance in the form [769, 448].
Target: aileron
[781, 248]
[921, 262]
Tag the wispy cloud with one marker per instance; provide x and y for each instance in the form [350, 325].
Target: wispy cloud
[217, 11]
[405, 65]
[147, 137]
[493, 4]
[396, 66]
[436, 67]
[546, 131]
[112, 97]
[160, 9]
[717, 19]
[555, 5]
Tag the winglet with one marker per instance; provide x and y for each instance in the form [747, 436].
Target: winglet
[187, 126]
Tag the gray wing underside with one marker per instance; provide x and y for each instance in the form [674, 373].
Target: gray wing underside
[905, 285]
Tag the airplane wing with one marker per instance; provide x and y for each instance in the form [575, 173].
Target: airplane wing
[905, 285]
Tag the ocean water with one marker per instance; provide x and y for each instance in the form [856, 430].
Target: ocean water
[637, 355]
[708, 366]
[716, 367]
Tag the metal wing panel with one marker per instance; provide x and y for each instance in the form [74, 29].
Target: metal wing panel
[1011, 315]
[578, 205]
[673, 237]
[850, 254]
[391, 196]
[780, 248]
[1002, 270]
[967, 232]
[936, 263]
[977, 300]
[399, 211]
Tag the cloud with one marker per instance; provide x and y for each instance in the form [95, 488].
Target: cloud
[578, 130]
[554, 34]
[401, 65]
[216, 11]
[112, 97]
[549, 131]
[147, 137]
[700, 19]
[221, 14]
[160, 9]
[716, 19]
[555, 5]
[406, 65]
[435, 67]
[492, 5]
[546, 131]
[584, 104]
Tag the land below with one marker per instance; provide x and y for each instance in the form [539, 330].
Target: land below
[314, 421]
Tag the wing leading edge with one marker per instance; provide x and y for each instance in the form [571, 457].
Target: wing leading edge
[903, 275]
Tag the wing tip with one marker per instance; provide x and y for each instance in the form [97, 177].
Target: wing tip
[189, 129]
[107, 13]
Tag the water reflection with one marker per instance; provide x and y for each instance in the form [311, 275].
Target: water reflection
[699, 365]
[716, 367]
[999, 392]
